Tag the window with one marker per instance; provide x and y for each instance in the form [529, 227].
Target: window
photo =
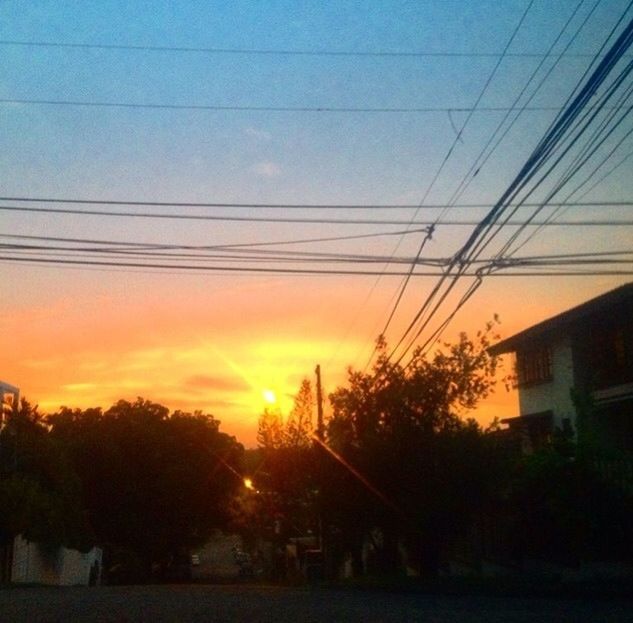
[611, 355]
[534, 366]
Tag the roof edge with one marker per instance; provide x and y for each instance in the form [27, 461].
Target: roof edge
[541, 329]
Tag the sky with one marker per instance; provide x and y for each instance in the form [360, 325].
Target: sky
[218, 341]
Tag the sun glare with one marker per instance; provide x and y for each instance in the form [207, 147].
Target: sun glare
[269, 396]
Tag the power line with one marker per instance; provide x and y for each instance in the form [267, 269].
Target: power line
[278, 51]
[558, 132]
[458, 135]
[292, 271]
[301, 109]
[500, 135]
[309, 206]
[101, 245]
[318, 221]
[238, 245]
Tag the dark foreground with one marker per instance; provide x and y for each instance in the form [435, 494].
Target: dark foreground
[252, 604]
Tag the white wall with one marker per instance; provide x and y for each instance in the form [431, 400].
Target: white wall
[61, 566]
[555, 395]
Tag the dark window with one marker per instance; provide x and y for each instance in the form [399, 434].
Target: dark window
[534, 366]
[612, 356]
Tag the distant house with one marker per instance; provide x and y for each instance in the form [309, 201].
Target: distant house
[60, 566]
[10, 396]
[576, 362]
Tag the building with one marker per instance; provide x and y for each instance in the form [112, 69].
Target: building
[575, 370]
[59, 566]
[10, 397]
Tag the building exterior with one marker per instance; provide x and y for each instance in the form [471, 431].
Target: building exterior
[9, 396]
[60, 566]
[575, 370]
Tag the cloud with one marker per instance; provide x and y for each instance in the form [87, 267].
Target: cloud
[258, 134]
[78, 387]
[201, 381]
[267, 169]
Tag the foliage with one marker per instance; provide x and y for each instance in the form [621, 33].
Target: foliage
[285, 475]
[153, 483]
[270, 429]
[39, 490]
[409, 467]
[296, 432]
[564, 511]
[299, 427]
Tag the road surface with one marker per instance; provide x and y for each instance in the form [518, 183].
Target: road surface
[253, 604]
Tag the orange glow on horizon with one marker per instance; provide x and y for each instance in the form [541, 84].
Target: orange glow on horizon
[90, 352]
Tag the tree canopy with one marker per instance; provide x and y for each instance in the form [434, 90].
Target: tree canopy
[407, 462]
[39, 489]
[152, 482]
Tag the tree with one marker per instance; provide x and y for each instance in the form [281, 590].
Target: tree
[270, 429]
[563, 510]
[296, 432]
[153, 483]
[39, 489]
[299, 428]
[287, 473]
[409, 467]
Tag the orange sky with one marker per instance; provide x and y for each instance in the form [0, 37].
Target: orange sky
[218, 347]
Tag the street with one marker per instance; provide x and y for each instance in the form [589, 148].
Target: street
[182, 603]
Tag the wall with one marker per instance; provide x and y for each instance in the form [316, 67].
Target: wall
[59, 566]
[554, 395]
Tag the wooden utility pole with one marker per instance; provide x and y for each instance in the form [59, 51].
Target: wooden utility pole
[319, 398]
[319, 455]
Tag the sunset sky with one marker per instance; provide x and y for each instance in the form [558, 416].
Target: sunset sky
[218, 341]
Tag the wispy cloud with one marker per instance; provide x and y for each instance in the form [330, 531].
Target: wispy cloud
[78, 387]
[267, 169]
[201, 381]
[261, 135]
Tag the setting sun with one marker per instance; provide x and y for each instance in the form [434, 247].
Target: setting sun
[269, 396]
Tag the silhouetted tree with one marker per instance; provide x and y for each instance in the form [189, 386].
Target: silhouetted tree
[410, 468]
[565, 511]
[285, 476]
[153, 483]
[39, 490]
[270, 429]
[299, 427]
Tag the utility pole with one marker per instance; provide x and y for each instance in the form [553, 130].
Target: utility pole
[319, 398]
[320, 436]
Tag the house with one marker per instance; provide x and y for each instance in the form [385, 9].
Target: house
[575, 370]
[9, 396]
[33, 563]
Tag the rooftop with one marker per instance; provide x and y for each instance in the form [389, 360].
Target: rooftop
[565, 319]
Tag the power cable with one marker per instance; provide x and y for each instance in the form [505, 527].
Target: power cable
[273, 219]
[290, 271]
[282, 109]
[553, 136]
[272, 51]
[307, 206]
[483, 157]
[427, 237]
